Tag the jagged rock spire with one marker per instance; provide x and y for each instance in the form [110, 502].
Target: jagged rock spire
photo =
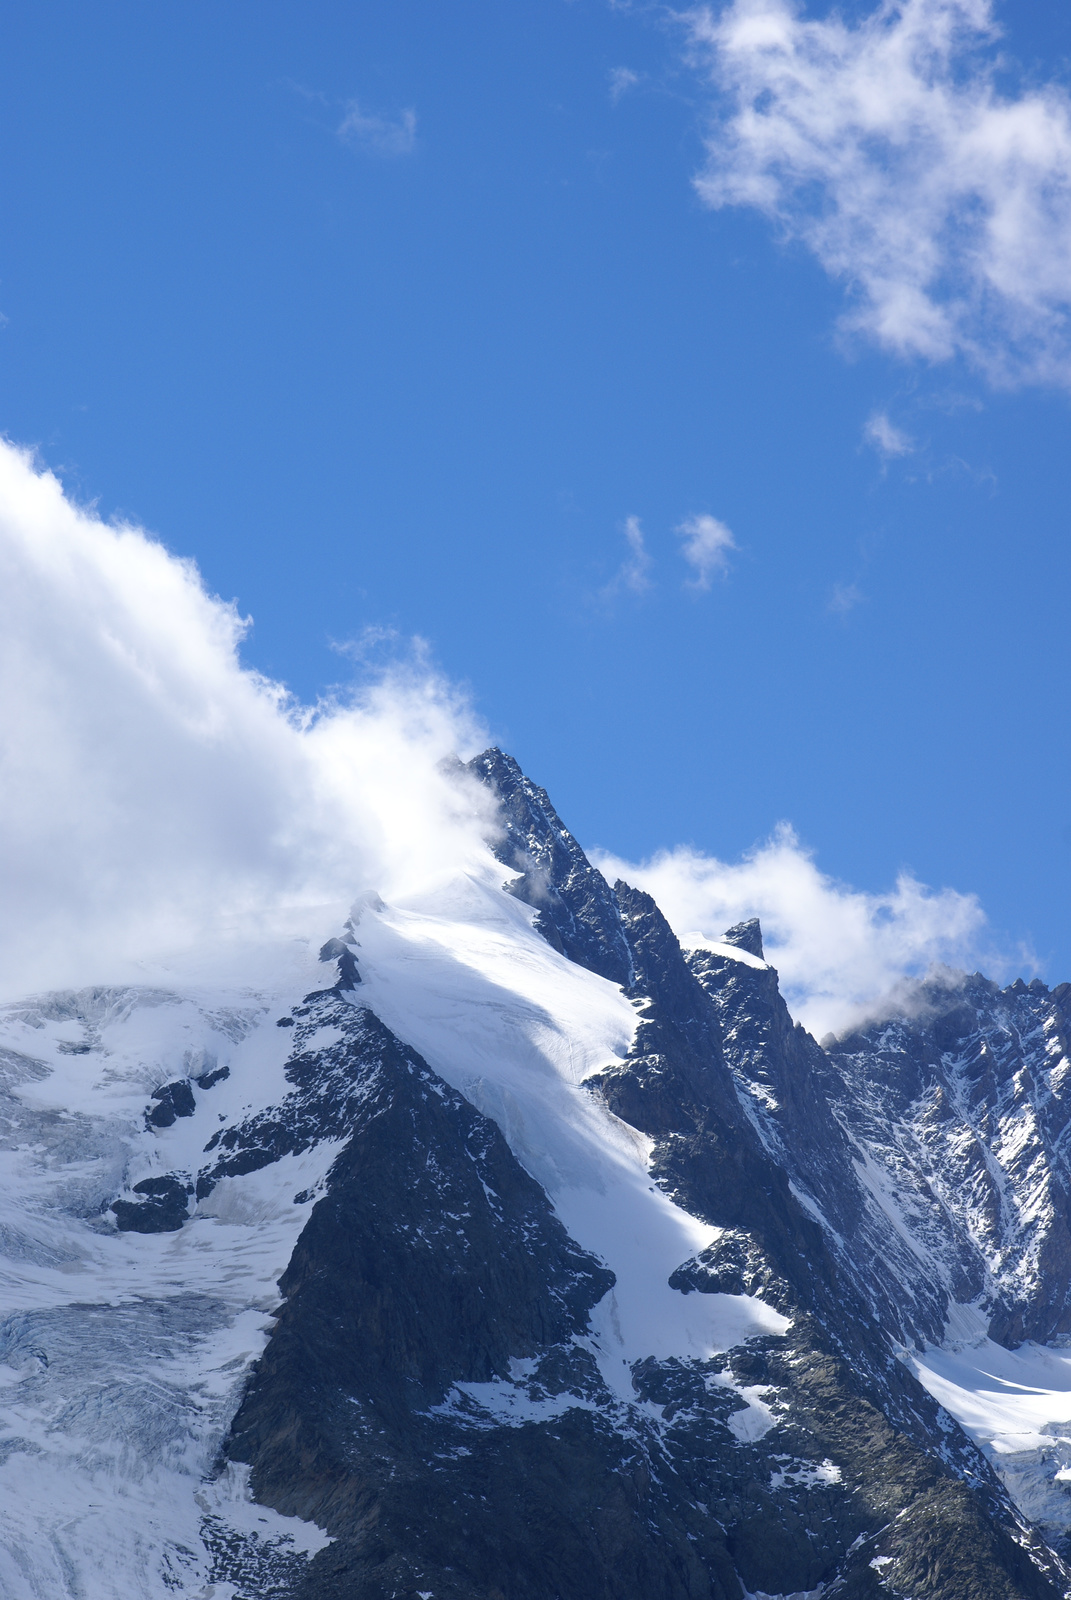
[746, 936]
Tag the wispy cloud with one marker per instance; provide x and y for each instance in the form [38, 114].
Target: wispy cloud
[942, 203]
[842, 954]
[887, 439]
[706, 546]
[622, 79]
[378, 135]
[845, 598]
[633, 574]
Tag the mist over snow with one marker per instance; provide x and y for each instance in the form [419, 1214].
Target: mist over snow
[157, 794]
[842, 955]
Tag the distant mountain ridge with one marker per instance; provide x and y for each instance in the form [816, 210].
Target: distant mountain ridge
[598, 1277]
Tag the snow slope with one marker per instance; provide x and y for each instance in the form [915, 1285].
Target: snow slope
[517, 1028]
[1015, 1404]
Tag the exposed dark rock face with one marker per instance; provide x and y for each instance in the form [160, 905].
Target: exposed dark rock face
[164, 1209]
[339, 951]
[575, 906]
[964, 1106]
[208, 1080]
[790, 1092]
[433, 1262]
[329, 1093]
[174, 1100]
[430, 1398]
[973, 1095]
[746, 936]
[673, 1087]
[676, 1086]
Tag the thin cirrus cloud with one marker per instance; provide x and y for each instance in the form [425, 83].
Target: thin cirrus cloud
[706, 544]
[845, 598]
[886, 438]
[633, 575]
[378, 135]
[942, 203]
[622, 79]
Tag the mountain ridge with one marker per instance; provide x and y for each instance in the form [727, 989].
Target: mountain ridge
[596, 1275]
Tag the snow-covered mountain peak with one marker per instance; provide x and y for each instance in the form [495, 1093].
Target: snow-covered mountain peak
[427, 1240]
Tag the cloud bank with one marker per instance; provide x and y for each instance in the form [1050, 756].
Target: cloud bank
[155, 793]
[886, 147]
[841, 955]
[159, 798]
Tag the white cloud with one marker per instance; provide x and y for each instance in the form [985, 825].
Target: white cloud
[888, 440]
[943, 204]
[381, 136]
[633, 572]
[157, 797]
[706, 547]
[841, 954]
[154, 792]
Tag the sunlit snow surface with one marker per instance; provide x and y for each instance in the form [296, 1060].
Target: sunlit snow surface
[1014, 1404]
[122, 1355]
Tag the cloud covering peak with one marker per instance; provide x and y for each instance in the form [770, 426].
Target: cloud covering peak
[156, 793]
[159, 798]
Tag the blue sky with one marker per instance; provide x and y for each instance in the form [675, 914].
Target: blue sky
[393, 316]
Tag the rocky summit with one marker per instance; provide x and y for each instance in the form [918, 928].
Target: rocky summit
[495, 1247]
